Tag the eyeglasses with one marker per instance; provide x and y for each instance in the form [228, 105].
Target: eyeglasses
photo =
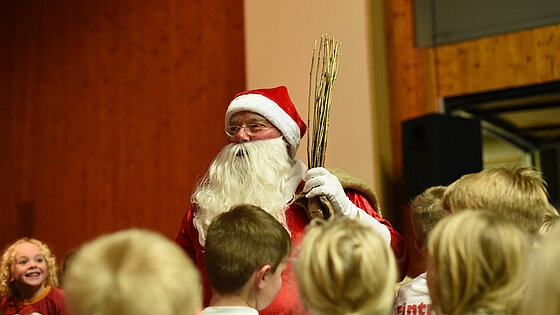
[250, 129]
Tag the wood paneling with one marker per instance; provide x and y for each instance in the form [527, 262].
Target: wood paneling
[110, 111]
[498, 62]
[408, 98]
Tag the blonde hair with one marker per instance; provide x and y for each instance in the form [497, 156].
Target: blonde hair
[543, 288]
[7, 288]
[345, 267]
[517, 194]
[476, 264]
[550, 220]
[427, 211]
[132, 272]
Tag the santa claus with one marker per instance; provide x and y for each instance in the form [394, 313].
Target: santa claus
[259, 167]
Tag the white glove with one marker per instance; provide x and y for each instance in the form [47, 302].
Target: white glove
[319, 181]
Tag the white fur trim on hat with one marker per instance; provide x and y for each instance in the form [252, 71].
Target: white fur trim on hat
[267, 108]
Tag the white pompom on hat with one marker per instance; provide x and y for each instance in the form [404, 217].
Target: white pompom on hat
[275, 105]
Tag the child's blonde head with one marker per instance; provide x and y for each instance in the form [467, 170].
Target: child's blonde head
[476, 264]
[427, 211]
[345, 267]
[543, 288]
[517, 194]
[135, 272]
[8, 257]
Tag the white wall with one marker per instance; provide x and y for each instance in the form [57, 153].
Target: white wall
[279, 46]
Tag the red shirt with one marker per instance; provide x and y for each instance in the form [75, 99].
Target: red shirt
[48, 303]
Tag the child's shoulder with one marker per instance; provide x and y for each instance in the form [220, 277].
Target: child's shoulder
[229, 310]
[52, 303]
[56, 293]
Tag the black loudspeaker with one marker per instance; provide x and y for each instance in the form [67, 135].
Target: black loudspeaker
[438, 149]
[550, 167]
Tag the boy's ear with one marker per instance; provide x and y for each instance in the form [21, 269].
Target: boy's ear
[260, 277]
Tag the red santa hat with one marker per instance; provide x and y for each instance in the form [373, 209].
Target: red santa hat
[276, 106]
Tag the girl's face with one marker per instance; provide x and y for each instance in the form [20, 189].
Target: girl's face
[29, 268]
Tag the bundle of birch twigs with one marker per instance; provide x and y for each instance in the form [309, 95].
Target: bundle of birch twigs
[324, 68]
[325, 63]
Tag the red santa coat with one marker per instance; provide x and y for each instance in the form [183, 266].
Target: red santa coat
[287, 301]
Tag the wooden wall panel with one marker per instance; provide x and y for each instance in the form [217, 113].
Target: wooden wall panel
[110, 111]
[498, 62]
[408, 98]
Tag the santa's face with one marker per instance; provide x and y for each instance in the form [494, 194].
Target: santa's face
[251, 127]
[29, 269]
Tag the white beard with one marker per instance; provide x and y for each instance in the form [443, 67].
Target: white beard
[254, 172]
